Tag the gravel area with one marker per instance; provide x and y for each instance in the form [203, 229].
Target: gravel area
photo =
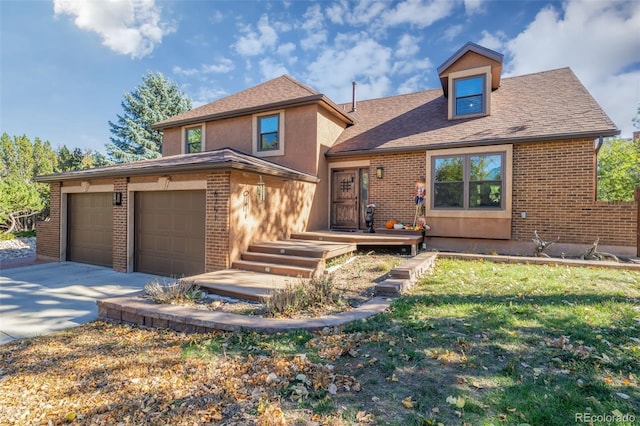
[18, 248]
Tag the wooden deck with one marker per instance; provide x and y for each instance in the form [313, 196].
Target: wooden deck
[411, 239]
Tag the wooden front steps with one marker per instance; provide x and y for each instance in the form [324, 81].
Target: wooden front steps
[291, 258]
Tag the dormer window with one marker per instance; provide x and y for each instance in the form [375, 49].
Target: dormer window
[268, 134]
[193, 139]
[469, 93]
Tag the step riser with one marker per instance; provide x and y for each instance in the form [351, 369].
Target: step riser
[273, 269]
[281, 259]
[284, 252]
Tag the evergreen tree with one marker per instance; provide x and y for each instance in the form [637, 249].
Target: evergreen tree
[20, 197]
[156, 99]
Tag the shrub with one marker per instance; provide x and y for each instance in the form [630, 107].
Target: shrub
[174, 292]
[301, 296]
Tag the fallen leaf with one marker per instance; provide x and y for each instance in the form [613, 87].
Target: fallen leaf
[407, 402]
[332, 389]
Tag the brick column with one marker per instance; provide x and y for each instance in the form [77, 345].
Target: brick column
[120, 226]
[48, 233]
[217, 222]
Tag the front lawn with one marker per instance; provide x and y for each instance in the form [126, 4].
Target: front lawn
[475, 343]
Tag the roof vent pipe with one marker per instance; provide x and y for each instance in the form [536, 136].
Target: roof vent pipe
[353, 101]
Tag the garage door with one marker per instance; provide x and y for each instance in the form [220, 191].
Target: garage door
[169, 232]
[90, 228]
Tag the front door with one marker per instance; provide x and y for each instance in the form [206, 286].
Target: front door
[348, 198]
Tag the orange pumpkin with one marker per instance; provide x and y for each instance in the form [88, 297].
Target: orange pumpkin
[389, 224]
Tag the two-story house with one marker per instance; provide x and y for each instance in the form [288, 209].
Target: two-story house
[500, 158]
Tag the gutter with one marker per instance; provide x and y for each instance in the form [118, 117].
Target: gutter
[168, 169]
[463, 144]
[307, 100]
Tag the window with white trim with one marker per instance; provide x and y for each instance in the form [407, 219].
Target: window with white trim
[268, 134]
[468, 181]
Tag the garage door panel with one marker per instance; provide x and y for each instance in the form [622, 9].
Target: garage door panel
[90, 228]
[169, 232]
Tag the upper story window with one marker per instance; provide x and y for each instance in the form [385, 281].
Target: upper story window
[468, 181]
[193, 139]
[469, 93]
[268, 134]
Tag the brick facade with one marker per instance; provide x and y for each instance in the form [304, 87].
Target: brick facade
[393, 194]
[48, 232]
[555, 184]
[559, 200]
[120, 226]
[217, 222]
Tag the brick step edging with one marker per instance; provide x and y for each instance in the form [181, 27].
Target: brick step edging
[133, 309]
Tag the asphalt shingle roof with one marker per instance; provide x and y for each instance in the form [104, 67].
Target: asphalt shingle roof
[541, 106]
[282, 90]
[220, 159]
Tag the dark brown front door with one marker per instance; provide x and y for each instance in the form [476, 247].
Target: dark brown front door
[170, 232]
[345, 189]
[90, 228]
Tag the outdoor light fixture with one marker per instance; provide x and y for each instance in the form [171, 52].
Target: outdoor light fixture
[379, 172]
[260, 190]
[117, 198]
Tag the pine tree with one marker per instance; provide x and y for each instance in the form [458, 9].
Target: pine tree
[155, 99]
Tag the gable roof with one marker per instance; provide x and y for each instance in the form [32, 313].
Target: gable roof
[535, 107]
[220, 159]
[470, 47]
[280, 92]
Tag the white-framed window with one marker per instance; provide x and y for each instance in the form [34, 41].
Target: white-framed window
[193, 138]
[469, 93]
[268, 134]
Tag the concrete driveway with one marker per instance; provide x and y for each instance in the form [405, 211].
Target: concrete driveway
[39, 299]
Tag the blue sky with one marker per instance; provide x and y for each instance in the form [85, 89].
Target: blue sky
[66, 64]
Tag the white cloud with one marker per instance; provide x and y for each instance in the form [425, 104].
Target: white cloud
[493, 41]
[223, 66]
[420, 13]
[206, 94]
[411, 65]
[271, 69]
[408, 45]
[364, 12]
[473, 6]
[411, 85]
[313, 25]
[452, 32]
[352, 57]
[129, 27]
[253, 43]
[598, 40]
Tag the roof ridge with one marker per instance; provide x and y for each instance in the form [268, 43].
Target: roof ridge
[301, 85]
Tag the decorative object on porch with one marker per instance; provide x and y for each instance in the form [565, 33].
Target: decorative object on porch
[368, 217]
[541, 245]
[592, 253]
[419, 194]
[261, 189]
[389, 224]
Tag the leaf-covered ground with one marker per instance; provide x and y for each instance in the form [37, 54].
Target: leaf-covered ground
[476, 343]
